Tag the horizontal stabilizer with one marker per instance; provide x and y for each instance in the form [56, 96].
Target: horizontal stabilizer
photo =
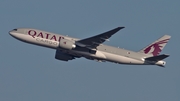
[157, 58]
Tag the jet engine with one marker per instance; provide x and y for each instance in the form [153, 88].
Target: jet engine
[66, 44]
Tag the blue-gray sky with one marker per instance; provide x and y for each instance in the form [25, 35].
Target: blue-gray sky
[30, 73]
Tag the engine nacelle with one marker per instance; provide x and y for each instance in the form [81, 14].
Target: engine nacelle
[66, 44]
[63, 56]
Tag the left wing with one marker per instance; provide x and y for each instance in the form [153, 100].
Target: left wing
[95, 41]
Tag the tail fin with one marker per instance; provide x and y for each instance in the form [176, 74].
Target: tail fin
[156, 47]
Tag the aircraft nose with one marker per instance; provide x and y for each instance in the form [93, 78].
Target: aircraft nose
[12, 32]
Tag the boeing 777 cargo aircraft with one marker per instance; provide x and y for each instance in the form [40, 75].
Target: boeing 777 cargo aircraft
[68, 48]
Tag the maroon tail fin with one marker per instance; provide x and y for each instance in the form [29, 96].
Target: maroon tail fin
[156, 47]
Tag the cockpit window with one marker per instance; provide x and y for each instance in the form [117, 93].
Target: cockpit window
[14, 29]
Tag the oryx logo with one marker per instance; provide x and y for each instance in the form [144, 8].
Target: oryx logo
[156, 48]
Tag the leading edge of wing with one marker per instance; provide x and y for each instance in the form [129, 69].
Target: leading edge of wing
[98, 39]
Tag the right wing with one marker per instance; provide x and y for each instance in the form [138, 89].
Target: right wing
[95, 41]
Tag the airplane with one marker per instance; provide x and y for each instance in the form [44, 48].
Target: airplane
[92, 48]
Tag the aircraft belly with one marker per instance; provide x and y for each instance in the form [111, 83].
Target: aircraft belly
[108, 57]
[121, 59]
[97, 55]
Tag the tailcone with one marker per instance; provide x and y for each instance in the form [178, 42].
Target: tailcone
[161, 63]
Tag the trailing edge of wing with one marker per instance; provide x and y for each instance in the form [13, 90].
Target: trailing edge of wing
[95, 41]
[157, 58]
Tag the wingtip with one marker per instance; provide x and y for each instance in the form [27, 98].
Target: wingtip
[121, 27]
[166, 55]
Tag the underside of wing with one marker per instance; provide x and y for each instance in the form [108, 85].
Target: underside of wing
[95, 41]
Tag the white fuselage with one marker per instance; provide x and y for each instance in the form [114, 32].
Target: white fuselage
[103, 52]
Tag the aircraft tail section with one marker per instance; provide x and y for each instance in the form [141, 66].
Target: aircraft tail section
[157, 60]
[156, 47]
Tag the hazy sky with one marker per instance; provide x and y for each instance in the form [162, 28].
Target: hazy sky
[30, 73]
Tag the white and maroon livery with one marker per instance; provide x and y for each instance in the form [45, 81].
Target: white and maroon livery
[68, 48]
